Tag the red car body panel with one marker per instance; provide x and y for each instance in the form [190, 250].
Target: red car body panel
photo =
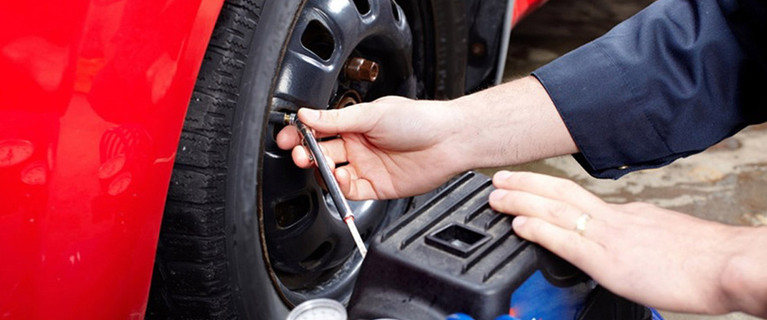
[524, 7]
[92, 100]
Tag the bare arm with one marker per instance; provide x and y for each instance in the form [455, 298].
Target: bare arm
[396, 147]
[744, 280]
[512, 123]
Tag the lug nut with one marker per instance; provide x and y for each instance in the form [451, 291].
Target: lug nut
[361, 70]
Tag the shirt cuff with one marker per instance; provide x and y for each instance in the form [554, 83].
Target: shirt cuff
[603, 113]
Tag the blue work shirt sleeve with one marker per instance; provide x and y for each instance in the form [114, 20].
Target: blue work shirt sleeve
[669, 82]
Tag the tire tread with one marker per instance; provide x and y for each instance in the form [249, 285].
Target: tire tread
[190, 279]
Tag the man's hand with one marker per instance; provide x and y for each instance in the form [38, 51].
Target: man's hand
[653, 256]
[391, 148]
[396, 147]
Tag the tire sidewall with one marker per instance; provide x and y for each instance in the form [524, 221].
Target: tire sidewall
[253, 293]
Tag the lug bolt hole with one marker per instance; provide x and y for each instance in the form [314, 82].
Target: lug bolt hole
[288, 213]
[363, 6]
[314, 259]
[318, 39]
[394, 10]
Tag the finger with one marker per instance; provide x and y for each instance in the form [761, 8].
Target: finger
[578, 250]
[301, 157]
[355, 118]
[334, 152]
[288, 138]
[556, 212]
[547, 186]
[352, 186]
[330, 162]
[400, 99]
[522, 203]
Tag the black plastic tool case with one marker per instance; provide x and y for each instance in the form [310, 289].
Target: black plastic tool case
[452, 254]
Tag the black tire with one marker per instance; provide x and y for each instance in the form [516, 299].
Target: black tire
[445, 44]
[211, 261]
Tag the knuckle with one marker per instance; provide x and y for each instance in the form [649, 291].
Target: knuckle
[572, 242]
[338, 114]
[330, 117]
[556, 210]
[385, 99]
[574, 246]
[566, 184]
[518, 178]
[563, 186]
[512, 197]
[506, 203]
[510, 180]
[327, 116]
[498, 205]
[528, 230]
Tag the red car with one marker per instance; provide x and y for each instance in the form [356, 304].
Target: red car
[139, 175]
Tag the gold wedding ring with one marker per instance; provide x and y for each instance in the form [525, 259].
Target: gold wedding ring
[580, 223]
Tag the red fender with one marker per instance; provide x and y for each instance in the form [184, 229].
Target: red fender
[92, 100]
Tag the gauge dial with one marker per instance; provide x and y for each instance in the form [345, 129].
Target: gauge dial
[318, 309]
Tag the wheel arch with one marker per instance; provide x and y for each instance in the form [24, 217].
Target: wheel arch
[89, 85]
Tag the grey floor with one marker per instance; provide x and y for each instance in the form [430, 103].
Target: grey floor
[727, 183]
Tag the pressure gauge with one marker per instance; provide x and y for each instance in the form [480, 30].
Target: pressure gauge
[318, 309]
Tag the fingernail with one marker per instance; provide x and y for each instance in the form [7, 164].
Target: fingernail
[310, 114]
[502, 175]
[498, 194]
[518, 222]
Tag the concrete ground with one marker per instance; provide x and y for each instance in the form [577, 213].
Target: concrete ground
[726, 183]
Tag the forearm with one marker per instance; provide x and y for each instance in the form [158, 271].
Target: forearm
[512, 123]
[744, 281]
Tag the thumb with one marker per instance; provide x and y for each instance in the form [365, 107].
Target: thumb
[355, 118]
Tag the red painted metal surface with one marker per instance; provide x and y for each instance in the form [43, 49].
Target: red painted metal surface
[524, 7]
[92, 99]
